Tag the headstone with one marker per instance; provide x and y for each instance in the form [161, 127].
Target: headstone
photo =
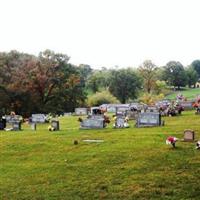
[152, 109]
[189, 135]
[187, 105]
[14, 121]
[38, 118]
[55, 125]
[16, 126]
[111, 109]
[132, 114]
[149, 119]
[13, 118]
[119, 122]
[92, 123]
[81, 111]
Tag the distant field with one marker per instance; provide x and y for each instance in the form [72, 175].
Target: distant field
[132, 163]
[188, 93]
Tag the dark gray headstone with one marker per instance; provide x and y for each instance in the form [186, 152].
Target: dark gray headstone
[148, 119]
[92, 123]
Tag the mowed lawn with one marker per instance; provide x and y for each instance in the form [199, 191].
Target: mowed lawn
[189, 93]
[132, 163]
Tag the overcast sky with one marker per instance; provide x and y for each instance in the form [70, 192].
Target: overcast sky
[104, 32]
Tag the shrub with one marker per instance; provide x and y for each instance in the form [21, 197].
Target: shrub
[104, 97]
[150, 99]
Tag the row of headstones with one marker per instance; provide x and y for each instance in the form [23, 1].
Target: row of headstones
[16, 126]
[144, 120]
[15, 122]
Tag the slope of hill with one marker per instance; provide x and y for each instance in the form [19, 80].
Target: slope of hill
[188, 93]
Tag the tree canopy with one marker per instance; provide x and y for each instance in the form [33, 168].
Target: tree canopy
[124, 84]
[174, 74]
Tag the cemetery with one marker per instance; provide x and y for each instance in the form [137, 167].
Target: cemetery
[106, 158]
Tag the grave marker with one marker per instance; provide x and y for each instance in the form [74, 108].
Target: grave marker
[38, 118]
[55, 125]
[149, 119]
[92, 123]
[81, 111]
[189, 135]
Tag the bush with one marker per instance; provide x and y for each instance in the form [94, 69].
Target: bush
[150, 99]
[104, 97]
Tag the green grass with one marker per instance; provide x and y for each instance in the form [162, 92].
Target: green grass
[189, 93]
[132, 163]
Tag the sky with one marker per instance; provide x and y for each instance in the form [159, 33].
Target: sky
[104, 33]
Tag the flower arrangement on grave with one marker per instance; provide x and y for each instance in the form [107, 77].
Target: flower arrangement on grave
[51, 128]
[171, 140]
[198, 145]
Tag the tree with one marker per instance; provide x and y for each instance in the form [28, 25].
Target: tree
[192, 76]
[46, 83]
[196, 65]
[174, 74]
[99, 80]
[148, 72]
[124, 84]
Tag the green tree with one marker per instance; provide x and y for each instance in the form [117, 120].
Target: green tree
[99, 80]
[192, 76]
[174, 74]
[148, 72]
[124, 84]
[196, 65]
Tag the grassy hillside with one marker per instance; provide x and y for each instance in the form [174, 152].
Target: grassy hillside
[188, 93]
[132, 163]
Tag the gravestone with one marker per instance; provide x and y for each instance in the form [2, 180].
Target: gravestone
[152, 109]
[187, 105]
[120, 122]
[38, 118]
[13, 118]
[189, 135]
[149, 119]
[81, 111]
[111, 109]
[132, 114]
[55, 125]
[14, 121]
[16, 126]
[92, 123]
